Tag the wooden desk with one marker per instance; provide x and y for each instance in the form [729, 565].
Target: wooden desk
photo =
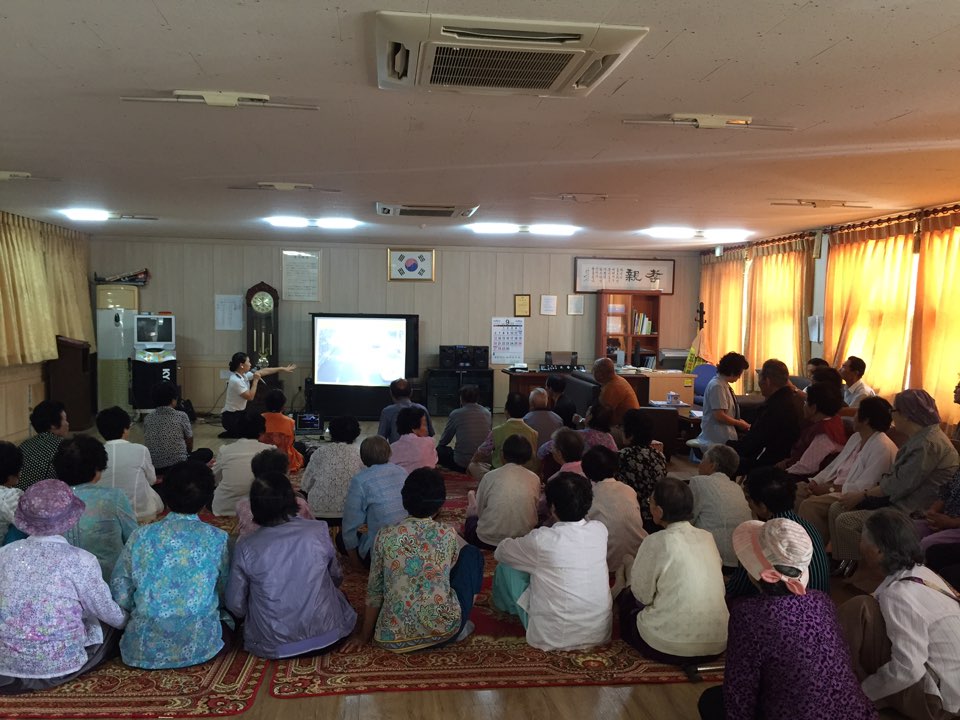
[648, 386]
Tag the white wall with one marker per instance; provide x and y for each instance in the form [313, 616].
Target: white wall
[472, 285]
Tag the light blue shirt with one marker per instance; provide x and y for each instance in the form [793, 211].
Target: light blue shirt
[105, 525]
[717, 396]
[170, 578]
[373, 498]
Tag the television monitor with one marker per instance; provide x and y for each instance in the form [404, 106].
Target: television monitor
[155, 331]
[357, 356]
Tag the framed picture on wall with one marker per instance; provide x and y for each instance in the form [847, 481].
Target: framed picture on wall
[411, 265]
[521, 306]
[623, 275]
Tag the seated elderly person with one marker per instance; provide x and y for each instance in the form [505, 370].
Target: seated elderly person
[597, 432]
[616, 394]
[822, 437]
[868, 454]
[673, 610]
[777, 426]
[905, 638]
[332, 465]
[170, 578]
[108, 521]
[772, 493]
[641, 465]
[568, 448]
[855, 389]
[374, 499]
[505, 504]
[57, 618]
[49, 421]
[771, 670]
[129, 468]
[414, 449]
[400, 393]
[489, 455]
[267, 461]
[721, 411]
[541, 418]
[615, 504]
[286, 552]
[422, 583]
[925, 462]
[168, 434]
[555, 578]
[559, 402]
[232, 472]
[467, 427]
[281, 430]
[941, 522]
[719, 505]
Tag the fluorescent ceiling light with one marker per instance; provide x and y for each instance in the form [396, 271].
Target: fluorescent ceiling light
[288, 221]
[667, 232]
[337, 223]
[87, 214]
[490, 228]
[547, 229]
[730, 235]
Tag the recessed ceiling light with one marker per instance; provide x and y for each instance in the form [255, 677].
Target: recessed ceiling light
[669, 232]
[730, 235]
[491, 228]
[87, 214]
[547, 229]
[288, 221]
[337, 223]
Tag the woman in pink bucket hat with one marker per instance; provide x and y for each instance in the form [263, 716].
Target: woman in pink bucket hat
[57, 617]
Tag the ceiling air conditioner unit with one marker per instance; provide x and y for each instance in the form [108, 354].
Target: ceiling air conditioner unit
[425, 211]
[497, 56]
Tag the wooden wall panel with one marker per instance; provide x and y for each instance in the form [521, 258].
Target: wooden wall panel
[21, 388]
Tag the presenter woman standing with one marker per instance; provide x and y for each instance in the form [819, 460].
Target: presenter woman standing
[242, 387]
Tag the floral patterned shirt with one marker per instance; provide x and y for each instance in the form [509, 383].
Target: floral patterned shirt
[640, 468]
[106, 524]
[51, 599]
[327, 477]
[170, 578]
[410, 583]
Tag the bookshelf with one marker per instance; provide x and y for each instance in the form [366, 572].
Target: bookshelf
[628, 322]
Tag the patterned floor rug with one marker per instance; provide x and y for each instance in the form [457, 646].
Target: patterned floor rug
[496, 655]
[227, 685]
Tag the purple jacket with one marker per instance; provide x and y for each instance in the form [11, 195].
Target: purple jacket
[284, 581]
[787, 658]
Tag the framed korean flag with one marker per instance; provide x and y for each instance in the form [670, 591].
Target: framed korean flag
[411, 265]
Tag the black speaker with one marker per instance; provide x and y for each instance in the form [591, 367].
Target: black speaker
[481, 357]
[448, 357]
[308, 395]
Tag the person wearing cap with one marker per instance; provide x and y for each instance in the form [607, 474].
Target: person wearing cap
[786, 655]
[905, 638]
[57, 619]
[422, 583]
[923, 464]
[673, 610]
[171, 576]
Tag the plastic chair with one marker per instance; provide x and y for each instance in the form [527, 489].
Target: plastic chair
[704, 373]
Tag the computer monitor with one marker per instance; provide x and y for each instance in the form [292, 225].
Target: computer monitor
[155, 331]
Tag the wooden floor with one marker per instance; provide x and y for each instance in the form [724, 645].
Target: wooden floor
[637, 702]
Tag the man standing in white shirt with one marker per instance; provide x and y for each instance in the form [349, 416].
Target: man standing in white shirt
[129, 468]
[905, 638]
[855, 389]
[868, 454]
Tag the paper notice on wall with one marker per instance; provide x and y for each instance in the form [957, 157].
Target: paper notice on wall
[506, 341]
[301, 275]
[228, 312]
[548, 304]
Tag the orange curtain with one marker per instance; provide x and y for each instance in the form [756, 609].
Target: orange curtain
[43, 289]
[721, 292]
[866, 312]
[935, 348]
[779, 300]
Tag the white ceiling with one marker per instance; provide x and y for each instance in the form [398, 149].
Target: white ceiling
[870, 85]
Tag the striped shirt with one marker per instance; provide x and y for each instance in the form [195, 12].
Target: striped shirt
[469, 425]
[38, 453]
[739, 584]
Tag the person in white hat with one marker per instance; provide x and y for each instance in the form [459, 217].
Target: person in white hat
[786, 654]
[57, 618]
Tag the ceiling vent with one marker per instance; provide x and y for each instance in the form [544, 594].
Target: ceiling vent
[497, 56]
[425, 211]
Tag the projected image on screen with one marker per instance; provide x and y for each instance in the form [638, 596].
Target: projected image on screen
[369, 352]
